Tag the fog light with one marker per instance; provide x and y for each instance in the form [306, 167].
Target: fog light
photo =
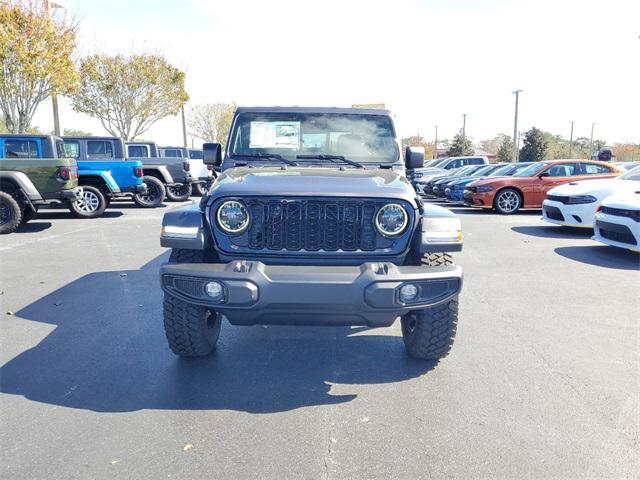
[215, 290]
[408, 292]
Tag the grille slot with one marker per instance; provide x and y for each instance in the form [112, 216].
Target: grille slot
[314, 225]
[553, 213]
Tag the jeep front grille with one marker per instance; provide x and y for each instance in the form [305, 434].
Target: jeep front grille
[316, 225]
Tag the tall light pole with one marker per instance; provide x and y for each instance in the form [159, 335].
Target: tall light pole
[514, 154]
[435, 144]
[54, 96]
[184, 129]
[591, 141]
[464, 126]
[571, 141]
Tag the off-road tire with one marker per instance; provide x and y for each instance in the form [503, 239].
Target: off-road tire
[200, 189]
[92, 195]
[191, 330]
[28, 214]
[156, 193]
[10, 213]
[436, 260]
[428, 334]
[500, 203]
[179, 194]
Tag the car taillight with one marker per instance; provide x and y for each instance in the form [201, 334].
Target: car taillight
[186, 166]
[75, 169]
[598, 208]
[137, 171]
[65, 173]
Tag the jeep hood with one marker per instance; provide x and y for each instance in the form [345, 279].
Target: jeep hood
[313, 182]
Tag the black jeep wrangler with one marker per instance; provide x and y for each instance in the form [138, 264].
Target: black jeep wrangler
[312, 222]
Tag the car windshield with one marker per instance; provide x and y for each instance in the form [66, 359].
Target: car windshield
[531, 170]
[484, 170]
[505, 170]
[633, 174]
[364, 138]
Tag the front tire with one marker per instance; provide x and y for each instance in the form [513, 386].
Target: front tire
[507, 201]
[28, 214]
[154, 196]
[179, 193]
[10, 214]
[429, 333]
[90, 205]
[191, 330]
[200, 189]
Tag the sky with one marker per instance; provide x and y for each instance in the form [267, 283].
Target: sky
[429, 61]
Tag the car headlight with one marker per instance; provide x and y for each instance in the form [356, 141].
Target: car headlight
[579, 199]
[391, 220]
[233, 217]
[484, 189]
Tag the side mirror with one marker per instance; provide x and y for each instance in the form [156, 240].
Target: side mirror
[212, 154]
[414, 158]
[543, 174]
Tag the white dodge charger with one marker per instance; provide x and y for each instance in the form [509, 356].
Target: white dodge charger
[617, 222]
[574, 204]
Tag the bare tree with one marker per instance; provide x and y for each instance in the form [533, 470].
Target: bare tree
[211, 121]
[129, 94]
[36, 55]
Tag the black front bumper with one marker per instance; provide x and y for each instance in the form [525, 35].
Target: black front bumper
[256, 293]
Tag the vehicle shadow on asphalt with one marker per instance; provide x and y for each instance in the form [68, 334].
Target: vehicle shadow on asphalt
[602, 256]
[554, 231]
[108, 354]
[33, 226]
[67, 215]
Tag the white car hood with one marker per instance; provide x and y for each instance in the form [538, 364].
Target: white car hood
[599, 188]
[629, 201]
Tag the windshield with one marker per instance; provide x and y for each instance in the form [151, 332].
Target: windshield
[432, 163]
[359, 137]
[484, 170]
[633, 174]
[531, 170]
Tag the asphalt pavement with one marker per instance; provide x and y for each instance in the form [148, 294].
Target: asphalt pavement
[542, 382]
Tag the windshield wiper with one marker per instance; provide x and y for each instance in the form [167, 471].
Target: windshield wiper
[324, 156]
[267, 156]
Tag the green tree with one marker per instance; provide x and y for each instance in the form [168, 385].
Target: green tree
[493, 145]
[72, 132]
[36, 55]
[128, 94]
[505, 152]
[535, 145]
[460, 146]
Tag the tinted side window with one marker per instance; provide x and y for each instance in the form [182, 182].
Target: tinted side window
[563, 170]
[138, 151]
[99, 149]
[71, 149]
[14, 148]
[172, 152]
[60, 148]
[455, 164]
[476, 161]
[195, 154]
[593, 169]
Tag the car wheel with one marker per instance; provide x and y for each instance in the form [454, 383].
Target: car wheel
[200, 189]
[507, 201]
[10, 213]
[154, 195]
[90, 204]
[179, 193]
[429, 333]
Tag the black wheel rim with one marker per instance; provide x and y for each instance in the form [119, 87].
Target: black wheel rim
[179, 191]
[152, 193]
[5, 213]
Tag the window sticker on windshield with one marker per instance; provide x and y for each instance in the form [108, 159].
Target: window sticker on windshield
[275, 135]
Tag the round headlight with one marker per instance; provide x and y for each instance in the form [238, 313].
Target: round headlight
[233, 217]
[391, 220]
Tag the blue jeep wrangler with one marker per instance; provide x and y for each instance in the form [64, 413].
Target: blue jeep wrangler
[124, 179]
[312, 222]
[100, 180]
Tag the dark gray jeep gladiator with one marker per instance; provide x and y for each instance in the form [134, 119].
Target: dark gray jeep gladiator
[311, 222]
